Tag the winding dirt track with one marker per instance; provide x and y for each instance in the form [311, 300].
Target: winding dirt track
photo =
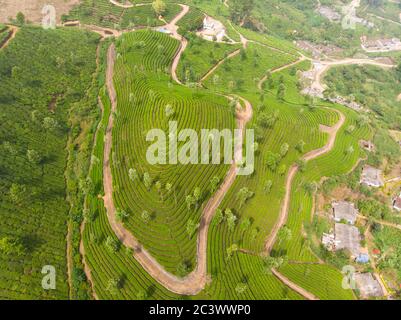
[121, 5]
[173, 28]
[326, 65]
[332, 131]
[294, 286]
[214, 68]
[302, 58]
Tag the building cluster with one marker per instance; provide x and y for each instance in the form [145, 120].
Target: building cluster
[346, 236]
[318, 50]
[380, 45]
[212, 30]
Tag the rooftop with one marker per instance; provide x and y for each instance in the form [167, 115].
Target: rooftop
[368, 285]
[348, 237]
[371, 176]
[345, 211]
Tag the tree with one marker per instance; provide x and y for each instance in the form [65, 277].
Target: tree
[190, 200]
[89, 215]
[197, 194]
[350, 150]
[284, 149]
[240, 10]
[266, 85]
[281, 91]
[284, 234]
[50, 123]
[214, 182]
[112, 244]
[78, 276]
[245, 224]
[300, 146]
[33, 156]
[183, 268]
[231, 219]
[231, 249]
[169, 111]
[272, 160]
[191, 227]
[310, 187]
[159, 187]
[147, 180]
[350, 129]
[133, 175]
[113, 286]
[301, 163]
[398, 71]
[121, 215]
[168, 187]
[282, 169]
[17, 193]
[241, 288]
[254, 233]
[219, 216]
[20, 18]
[243, 195]
[159, 7]
[268, 186]
[12, 246]
[270, 263]
[86, 186]
[145, 216]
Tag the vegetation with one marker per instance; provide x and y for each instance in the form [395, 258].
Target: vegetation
[200, 56]
[103, 13]
[37, 66]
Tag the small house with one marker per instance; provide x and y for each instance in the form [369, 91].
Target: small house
[371, 177]
[348, 237]
[368, 285]
[344, 211]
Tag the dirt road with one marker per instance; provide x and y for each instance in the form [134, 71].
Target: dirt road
[214, 68]
[332, 131]
[278, 69]
[173, 28]
[122, 5]
[293, 286]
[324, 66]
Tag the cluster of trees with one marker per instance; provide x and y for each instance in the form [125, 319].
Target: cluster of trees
[273, 159]
[241, 10]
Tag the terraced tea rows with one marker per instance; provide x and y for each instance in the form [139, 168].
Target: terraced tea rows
[142, 107]
[35, 66]
[103, 13]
